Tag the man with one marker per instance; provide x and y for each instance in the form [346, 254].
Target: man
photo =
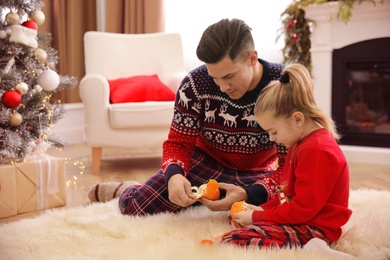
[214, 134]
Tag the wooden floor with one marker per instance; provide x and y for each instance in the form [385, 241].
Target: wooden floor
[117, 166]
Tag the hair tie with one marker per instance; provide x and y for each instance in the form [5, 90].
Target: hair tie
[284, 78]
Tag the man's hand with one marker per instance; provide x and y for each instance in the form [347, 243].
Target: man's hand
[179, 190]
[233, 193]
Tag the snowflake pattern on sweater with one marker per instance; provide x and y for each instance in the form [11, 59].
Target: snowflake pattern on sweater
[224, 128]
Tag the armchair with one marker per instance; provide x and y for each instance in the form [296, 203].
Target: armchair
[139, 125]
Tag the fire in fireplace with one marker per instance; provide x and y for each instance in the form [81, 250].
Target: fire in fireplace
[361, 92]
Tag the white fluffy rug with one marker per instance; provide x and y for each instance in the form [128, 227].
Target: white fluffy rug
[99, 231]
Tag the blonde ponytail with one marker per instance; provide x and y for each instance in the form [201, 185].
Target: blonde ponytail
[294, 92]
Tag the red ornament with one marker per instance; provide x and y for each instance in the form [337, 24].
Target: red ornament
[11, 98]
[30, 24]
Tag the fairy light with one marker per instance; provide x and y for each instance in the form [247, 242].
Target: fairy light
[24, 67]
[74, 178]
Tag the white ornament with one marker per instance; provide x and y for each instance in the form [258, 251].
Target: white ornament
[37, 16]
[41, 145]
[16, 119]
[22, 88]
[49, 80]
[24, 35]
[31, 147]
[38, 88]
[12, 18]
[3, 34]
[40, 55]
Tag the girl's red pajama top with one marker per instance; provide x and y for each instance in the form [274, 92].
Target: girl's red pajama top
[317, 177]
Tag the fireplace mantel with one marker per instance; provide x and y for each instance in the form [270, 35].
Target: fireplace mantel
[368, 21]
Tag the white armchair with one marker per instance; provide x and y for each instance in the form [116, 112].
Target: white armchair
[139, 125]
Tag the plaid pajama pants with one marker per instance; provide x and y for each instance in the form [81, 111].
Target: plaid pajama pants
[152, 196]
[266, 234]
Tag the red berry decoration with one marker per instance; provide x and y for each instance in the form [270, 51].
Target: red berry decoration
[11, 98]
[290, 24]
[294, 39]
[30, 24]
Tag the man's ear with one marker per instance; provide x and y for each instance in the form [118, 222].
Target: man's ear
[298, 118]
[253, 59]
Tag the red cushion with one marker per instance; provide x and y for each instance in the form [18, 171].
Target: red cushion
[139, 89]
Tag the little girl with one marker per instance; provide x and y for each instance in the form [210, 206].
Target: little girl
[313, 196]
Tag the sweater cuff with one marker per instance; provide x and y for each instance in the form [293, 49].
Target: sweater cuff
[172, 170]
[257, 194]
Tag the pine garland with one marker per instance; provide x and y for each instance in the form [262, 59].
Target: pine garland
[297, 28]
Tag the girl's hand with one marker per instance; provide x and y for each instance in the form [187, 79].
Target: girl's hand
[244, 218]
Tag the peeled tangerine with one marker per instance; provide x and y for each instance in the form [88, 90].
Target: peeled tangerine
[209, 190]
[206, 242]
[238, 206]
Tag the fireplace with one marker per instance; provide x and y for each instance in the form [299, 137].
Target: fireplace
[361, 92]
[369, 22]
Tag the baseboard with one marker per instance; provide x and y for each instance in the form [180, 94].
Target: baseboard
[370, 155]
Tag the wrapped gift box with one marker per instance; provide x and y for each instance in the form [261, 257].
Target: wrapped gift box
[7, 193]
[32, 185]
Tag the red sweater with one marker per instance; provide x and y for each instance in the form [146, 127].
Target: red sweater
[317, 178]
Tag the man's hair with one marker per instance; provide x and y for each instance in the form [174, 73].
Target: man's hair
[226, 37]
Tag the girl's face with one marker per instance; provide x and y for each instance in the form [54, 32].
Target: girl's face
[282, 130]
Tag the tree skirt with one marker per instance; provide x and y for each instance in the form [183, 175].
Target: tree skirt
[99, 231]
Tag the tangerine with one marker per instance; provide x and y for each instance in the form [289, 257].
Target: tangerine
[212, 190]
[238, 206]
[206, 242]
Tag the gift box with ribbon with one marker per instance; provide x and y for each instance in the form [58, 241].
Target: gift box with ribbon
[32, 185]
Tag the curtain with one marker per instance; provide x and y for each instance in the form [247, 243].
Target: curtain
[68, 20]
[135, 16]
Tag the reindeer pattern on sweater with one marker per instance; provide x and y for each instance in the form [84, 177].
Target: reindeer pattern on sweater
[224, 128]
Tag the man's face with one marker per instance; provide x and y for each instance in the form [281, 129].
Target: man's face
[234, 79]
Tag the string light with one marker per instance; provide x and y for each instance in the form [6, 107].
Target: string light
[21, 66]
[72, 180]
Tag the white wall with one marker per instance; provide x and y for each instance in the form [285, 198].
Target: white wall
[191, 18]
[71, 126]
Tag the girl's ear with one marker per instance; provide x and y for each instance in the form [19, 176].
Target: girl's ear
[299, 118]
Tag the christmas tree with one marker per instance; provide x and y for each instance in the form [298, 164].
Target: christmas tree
[27, 80]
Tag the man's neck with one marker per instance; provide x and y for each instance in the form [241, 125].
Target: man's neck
[257, 75]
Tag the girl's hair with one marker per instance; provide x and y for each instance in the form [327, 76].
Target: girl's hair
[226, 37]
[294, 91]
